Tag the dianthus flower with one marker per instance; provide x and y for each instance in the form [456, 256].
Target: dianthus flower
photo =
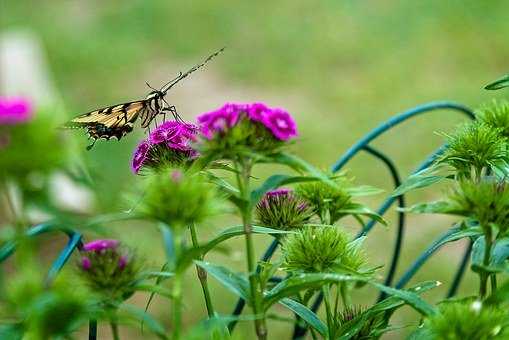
[14, 111]
[169, 142]
[100, 245]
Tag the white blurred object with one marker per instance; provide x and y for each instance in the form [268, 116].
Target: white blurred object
[70, 195]
[24, 70]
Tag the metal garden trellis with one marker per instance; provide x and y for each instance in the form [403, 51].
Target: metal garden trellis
[361, 145]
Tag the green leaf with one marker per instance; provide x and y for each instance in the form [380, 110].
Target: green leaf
[294, 284]
[460, 233]
[169, 246]
[416, 181]
[153, 289]
[500, 295]
[237, 231]
[363, 190]
[235, 282]
[274, 182]
[498, 84]
[298, 165]
[138, 314]
[306, 314]
[437, 207]
[360, 209]
[500, 251]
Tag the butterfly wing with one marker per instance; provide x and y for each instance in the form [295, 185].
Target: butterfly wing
[113, 121]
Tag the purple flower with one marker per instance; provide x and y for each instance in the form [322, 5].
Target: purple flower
[220, 120]
[140, 156]
[257, 112]
[176, 135]
[14, 111]
[279, 192]
[86, 264]
[281, 124]
[100, 245]
[122, 262]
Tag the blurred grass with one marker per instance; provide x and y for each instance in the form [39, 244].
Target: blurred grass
[341, 67]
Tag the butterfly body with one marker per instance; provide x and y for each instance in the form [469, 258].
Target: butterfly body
[118, 120]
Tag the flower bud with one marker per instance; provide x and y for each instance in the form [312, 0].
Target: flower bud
[282, 209]
[108, 269]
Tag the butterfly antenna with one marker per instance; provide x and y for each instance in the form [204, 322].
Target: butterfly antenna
[181, 76]
[150, 86]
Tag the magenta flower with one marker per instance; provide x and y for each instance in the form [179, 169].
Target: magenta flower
[281, 124]
[100, 245]
[141, 154]
[279, 192]
[175, 135]
[122, 262]
[14, 111]
[86, 264]
[220, 120]
[257, 112]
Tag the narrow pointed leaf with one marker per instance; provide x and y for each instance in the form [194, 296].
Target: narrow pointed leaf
[306, 314]
[235, 282]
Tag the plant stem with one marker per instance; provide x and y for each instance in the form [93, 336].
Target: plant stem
[177, 290]
[246, 212]
[328, 310]
[114, 326]
[493, 280]
[345, 295]
[486, 262]
[202, 275]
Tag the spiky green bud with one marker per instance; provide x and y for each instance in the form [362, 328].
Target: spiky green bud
[321, 249]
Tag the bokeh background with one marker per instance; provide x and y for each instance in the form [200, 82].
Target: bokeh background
[340, 67]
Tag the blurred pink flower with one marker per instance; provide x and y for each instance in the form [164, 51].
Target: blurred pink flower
[100, 245]
[14, 111]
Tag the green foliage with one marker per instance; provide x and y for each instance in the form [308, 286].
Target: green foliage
[46, 312]
[486, 202]
[321, 249]
[475, 148]
[467, 320]
[178, 199]
[495, 115]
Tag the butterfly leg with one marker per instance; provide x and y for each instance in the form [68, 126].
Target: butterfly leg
[175, 114]
[91, 145]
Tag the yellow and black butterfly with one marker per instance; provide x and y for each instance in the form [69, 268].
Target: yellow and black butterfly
[118, 120]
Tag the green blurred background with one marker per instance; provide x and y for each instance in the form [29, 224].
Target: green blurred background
[340, 67]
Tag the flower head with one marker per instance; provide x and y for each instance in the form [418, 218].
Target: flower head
[460, 320]
[281, 124]
[282, 209]
[100, 245]
[14, 111]
[476, 147]
[236, 127]
[108, 269]
[177, 198]
[169, 143]
[140, 157]
[320, 249]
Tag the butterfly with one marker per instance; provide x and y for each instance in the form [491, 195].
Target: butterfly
[118, 120]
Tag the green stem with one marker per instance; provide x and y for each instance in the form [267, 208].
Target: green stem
[114, 326]
[177, 291]
[493, 280]
[328, 310]
[256, 294]
[345, 295]
[486, 261]
[202, 275]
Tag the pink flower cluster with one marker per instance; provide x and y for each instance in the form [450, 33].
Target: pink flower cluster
[100, 247]
[173, 135]
[14, 111]
[279, 122]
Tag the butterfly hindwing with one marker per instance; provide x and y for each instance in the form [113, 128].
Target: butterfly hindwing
[112, 121]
